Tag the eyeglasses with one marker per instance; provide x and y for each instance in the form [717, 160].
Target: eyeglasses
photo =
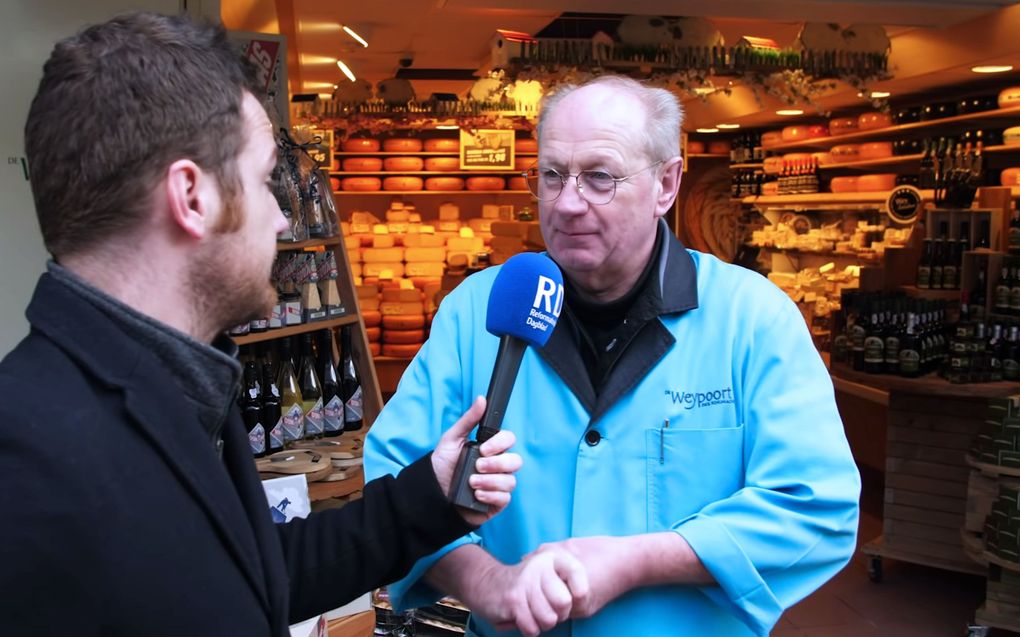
[595, 186]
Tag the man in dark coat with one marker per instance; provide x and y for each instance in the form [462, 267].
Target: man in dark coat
[131, 504]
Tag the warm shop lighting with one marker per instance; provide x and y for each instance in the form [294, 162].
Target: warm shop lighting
[317, 86]
[789, 111]
[349, 31]
[325, 96]
[706, 130]
[727, 126]
[346, 70]
[704, 90]
[876, 95]
[308, 58]
[992, 68]
[447, 127]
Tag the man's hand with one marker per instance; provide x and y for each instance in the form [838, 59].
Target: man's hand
[493, 479]
[606, 562]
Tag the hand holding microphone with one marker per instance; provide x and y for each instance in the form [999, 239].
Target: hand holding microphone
[524, 304]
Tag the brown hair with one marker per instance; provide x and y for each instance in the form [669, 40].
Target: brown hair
[117, 104]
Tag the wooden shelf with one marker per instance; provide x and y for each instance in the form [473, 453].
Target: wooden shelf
[438, 173]
[749, 165]
[928, 385]
[291, 330]
[930, 294]
[824, 253]
[447, 193]
[337, 488]
[708, 155]
[872, 163]
[309, 243]
[418, 153]
[827, 198]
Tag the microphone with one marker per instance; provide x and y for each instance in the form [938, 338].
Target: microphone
[524, 304]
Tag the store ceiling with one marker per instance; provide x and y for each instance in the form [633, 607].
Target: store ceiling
[934, 42]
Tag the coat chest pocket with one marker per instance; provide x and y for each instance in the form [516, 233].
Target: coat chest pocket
[688, 469]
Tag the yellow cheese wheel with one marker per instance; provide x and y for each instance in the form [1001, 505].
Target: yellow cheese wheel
[363, 164]
[442, 145]
[485, 183]
[360, 184]
[719, 148]
[526, 145]
[822, 158]
[402, 184]
[773, 165]
[694, 147]
[400, 351]
[373, 334]
[375, 349]
[770, 188]
[1010, 177]
[404, 337]
[845, 152]
[442, 163]
[876, 183]
[526, 162]
[843, 184]
[372, 318]
[817, 130]
[875, 150]
[1009, 97]
[403, 164]
[517, 183]
[794, 133]
[873, 120]
[771, 138]
[444, 183]
[404, 322]
[842, 125]
[401, 145]
[360, 145]
[334, 183]
[1011, 136]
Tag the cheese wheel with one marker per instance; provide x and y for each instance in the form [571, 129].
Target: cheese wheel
[1009, 97]
[360, 145]
[771, 138]
[389, 308]
[845, 152]
[403, 164]
[382, 255]
[817, 130]
[401, 145]
[695, 147]
[875, 150]
[772, 165]
[517, 183]
[334, 183]
[372, 318]
[373, 334]
[442, 145]
[402, 184]
[375, 349]
[770, 188]
[524, 163]
[425, 269]
[1010, 177]
[360, 184]
[485, 183]
[843, 184]
[842, 125]
[404, 337]
[363, 164]
[873, 120]
[426, 255]
[444, 183]
[1011, 136]
[376, 270]
[404, 322]
[823, 158]
[526, 145]
[876, 183]
[795, 158]
[442, 163]
[400, 351]
[719, 147]
[793, 133]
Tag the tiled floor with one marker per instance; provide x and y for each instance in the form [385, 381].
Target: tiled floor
[910, 601]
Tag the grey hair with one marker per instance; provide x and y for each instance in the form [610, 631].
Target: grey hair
[664, 115]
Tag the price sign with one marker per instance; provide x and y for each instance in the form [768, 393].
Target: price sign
[490, 149]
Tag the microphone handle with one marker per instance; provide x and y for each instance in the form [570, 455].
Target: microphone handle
[501, 384]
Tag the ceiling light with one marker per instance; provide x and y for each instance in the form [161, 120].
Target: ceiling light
[782, 111]
[727, 125]
[447, 127]
[325, 96]
[877, 95]
[707, 130]
[992, 68]
[349, 31]
[704, 90]
[346, 70]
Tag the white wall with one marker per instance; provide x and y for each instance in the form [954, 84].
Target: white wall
[28, 31]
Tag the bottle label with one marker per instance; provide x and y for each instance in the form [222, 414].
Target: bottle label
[257, 439]
[1014, 298]
[293, 423]
[910, 361]
[313, 419]
[923, 276]
[276, 435]
[333, 415]
[936, 277]
[873, 350]
[1002, 297]
[839, 347]
[892, 350]
[857, 334]
[1014, 239]
[1010, 369]
[353, 408]
[949, 277]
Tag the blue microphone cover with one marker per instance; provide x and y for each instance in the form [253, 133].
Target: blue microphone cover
[526, 298]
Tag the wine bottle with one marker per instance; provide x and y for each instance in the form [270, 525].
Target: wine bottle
[271, 415]
[311, 390]
[332, 403]
[874, 344]
[290, 397]
[924, 266]
[251, 410]
[909, 354]
[1013, 238]
[1002, 291]
[1011, 360]
[350, 384]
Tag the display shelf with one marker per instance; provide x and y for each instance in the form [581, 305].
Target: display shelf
[292, 330]
[824, 198]
[282, 246]
[708, 155]
[960, 121]
[434, 173]
[993, 469]
[872, 163]
[930, 384]
[748, 165]
[824, 253]
[323, 490]
[418, 153]
[930, 294]
[446, 193]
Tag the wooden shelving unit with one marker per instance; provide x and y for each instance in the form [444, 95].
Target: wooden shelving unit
[293, 330]
[824, 198]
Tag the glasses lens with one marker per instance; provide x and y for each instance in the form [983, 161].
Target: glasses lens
[597, 186]
[544, 184]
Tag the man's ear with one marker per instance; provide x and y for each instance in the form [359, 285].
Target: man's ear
[192, 196]
[669, 183]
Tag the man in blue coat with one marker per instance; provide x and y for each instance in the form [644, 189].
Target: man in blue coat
[685, 467]
[131, 504]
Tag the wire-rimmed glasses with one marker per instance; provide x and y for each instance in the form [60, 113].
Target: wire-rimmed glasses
[597, 187]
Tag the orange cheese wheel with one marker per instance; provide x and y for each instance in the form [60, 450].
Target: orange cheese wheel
[845, 152]
[403, 321]
[361, 184]
[1009, 97]
[524, 163]
[1010, 177]
[817, 130]
[1011, 136]
[401, 145]
[442, 145]
[444, 183]
[517, 183]
[404, 164]
[719, 148]
[793, 133]
[824, 158]
[842, 125]
[876, 150]
[400, 351]
[695, 147]
[360, 145]
[794, 158]
[402, 184]
[372, 318]
[375, 349]
[334, 183]
[363, 164]
[843, 184]
[773, 165]
[771, 138]
[770, 188]
[373, 334]
[485, 183]
[871, 121]
[442, 163]
[526, 145]
[404, 337]
[876, 183]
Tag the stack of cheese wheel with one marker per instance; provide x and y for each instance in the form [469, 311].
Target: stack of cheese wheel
[403, 321]
[353, 247]
[382, 263]
[368, 302]
[420, 253]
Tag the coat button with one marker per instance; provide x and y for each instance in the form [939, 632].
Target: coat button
[592, 437]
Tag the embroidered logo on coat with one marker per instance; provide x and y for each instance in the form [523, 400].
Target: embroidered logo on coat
[690, 400]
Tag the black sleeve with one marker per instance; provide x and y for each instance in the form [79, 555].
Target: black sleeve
[334, 556]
